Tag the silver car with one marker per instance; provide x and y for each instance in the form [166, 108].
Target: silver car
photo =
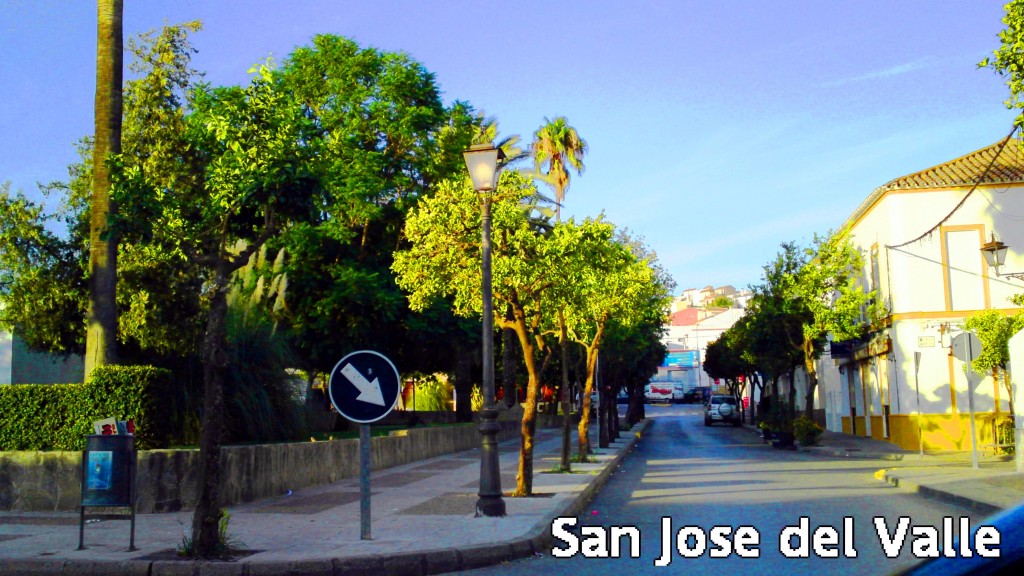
[722, 408]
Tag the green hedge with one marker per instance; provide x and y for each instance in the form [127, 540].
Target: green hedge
[59, 416]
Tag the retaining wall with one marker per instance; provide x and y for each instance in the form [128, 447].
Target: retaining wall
[168, 479]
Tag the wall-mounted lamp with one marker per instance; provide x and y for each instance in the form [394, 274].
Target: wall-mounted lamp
[995, 256]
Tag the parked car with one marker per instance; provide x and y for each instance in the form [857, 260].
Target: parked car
[722, 408]
[695, 396]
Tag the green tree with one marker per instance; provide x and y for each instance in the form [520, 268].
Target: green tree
[1008, 59]
[608, 281]
[724, 361]
[722, 302]
[994, 329]
[828, 288]
[444, 261]
[101, 335]
[229, 164]
[808, 294]
[41, 278]
[385, 139]
[775, 326]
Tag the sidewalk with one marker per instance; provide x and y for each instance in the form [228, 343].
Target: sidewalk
[946, 476]
[422, 515]
[422, 523]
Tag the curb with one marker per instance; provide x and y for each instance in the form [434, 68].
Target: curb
[847, 453]
[539, 537]
[888, 476]
[837, 452]
[536, 541]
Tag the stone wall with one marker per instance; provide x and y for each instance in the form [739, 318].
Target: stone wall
[168, 479]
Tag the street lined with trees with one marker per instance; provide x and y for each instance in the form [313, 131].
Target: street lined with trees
[320, 209]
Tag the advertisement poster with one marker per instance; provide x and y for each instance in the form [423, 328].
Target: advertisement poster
[99, 470]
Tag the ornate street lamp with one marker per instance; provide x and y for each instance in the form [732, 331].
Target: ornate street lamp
[482, 162]
[995, 256]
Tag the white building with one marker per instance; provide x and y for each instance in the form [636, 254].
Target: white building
[921, 237]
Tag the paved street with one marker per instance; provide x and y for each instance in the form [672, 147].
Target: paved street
[724, 476]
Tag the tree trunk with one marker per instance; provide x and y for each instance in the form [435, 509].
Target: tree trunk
[508, 362]
[206, 519]
[528, 427]
[563, 342]
[812, 381]
[583, 429]
[101, 332]
[613, 418]
[463, 386]
[755, 386]
[791, 400]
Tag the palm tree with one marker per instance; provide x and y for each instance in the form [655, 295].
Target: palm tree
[557, 147]
[487, 132]
[100, 343]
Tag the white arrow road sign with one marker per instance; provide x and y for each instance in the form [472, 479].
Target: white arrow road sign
[368, 391]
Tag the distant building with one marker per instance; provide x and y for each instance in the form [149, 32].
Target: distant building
[19, 365]
[704, 297]
[687, 336]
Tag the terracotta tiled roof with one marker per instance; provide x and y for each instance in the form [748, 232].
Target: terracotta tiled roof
[964, 171]
[684, 317]
[968, 169]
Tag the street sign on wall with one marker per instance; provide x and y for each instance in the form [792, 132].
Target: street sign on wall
[364, 386]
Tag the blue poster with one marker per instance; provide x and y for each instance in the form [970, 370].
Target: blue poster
[683, 359]
[99, 470]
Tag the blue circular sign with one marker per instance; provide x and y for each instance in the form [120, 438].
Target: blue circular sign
[364, 386]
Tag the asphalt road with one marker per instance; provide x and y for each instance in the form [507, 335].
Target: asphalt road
[700, 478]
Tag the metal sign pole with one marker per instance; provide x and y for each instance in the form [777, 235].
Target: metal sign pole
[970, 406]
[364, 387]
[364, 482]
[966, 348]
[916, 386]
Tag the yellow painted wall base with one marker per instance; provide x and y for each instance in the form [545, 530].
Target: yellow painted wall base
[878, 428]
[846, 425]
[944, 431]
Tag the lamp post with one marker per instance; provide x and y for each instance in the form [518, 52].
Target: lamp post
[995, 256]
[482, 162]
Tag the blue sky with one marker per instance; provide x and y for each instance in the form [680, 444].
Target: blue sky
[717, 129]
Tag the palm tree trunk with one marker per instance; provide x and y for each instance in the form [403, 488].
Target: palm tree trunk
[101, 332]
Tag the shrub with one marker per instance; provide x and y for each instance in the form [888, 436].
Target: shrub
[1005, 437]
[433, 393]
[807, 431]
[59, 416]
[261, 399]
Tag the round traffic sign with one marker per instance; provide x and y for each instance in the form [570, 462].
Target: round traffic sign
[966, 346]
[364, 386]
